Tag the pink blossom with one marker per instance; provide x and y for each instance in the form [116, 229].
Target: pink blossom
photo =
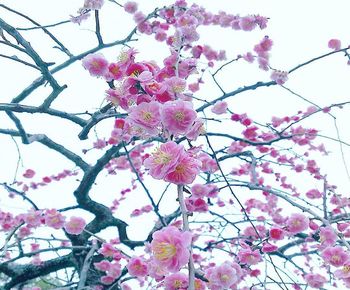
[54, 219]
[313, 193]
[156, 271]
[75, 225]
[29, 173]
[147, 116]
[164, 159]
[93, 4]
[223, 276]
[96, 64]
[170, 248]
[33, 218]
[208, 163]
[194, 204]
[276, 234]
[130, 7]
[204, 190]
[178, 116]
[247, 23]
[104, 265]
[268, 248]
[344, 272]
[185, 171]
[176, 281]
[219, 107]
[196, 129]
[107, 280]
[315, 280]
[297, 223]
[334, 44]
[327, 236]
[280, 77]
[137, 267]
[336, 256]
[249, 257]
[108, 250]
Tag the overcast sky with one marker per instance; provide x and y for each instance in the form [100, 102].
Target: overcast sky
[300, 31]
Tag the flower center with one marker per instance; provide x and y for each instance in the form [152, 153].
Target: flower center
[177, 284]
[224, 278]
[163, 251]
[179, 116]
[180, 169]
[147, 116]
[161, 157]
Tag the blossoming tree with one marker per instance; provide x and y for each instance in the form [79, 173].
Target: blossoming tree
[230, 202]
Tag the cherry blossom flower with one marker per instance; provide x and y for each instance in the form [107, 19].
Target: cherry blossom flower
[93, 4]
[276, 233]
[313, 194]
[344, 272]
[104, 265]
[336, 256]
[137, 267]
[96, 64]
[170, 248]
[315, 280]
[29, 173]
[334, 44]
[54, 219]
[219, 107]
[147, 116]
[176, 281]
[247, 256]
[164, 159]
[130, 7]
[223, 276]
[280, 77]
[297, 223]
[185, 171]
[328, 237]
[75, 225]
[178, 116]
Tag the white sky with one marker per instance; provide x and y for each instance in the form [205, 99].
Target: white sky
[300, 31]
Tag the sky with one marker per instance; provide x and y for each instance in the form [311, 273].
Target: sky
[299, 29]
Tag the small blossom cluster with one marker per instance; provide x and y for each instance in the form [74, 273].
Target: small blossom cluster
[172, 163]
[30, 173]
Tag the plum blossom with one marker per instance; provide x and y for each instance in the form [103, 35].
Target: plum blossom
[93, 4]
[223, 276]
[344, 272]
[147, 116]
[334, 44]
[336, 256]
[29, 173]
[164, 159]
[130, 7]
[54, 219]
[176, 281]
[280, 77]
[185, 171]
[276, 234]
[137, 267]
[328, 237]
[178, 116]
[219, 107]
[170, 248]
[75, 225]
[297, 223]
[247, 256]
[96, 64]
[315, 280]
